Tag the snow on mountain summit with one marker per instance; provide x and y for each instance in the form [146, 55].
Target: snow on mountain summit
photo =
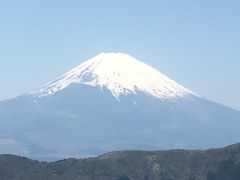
[119, 73]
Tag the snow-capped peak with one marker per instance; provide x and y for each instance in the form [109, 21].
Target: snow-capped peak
[120, 74]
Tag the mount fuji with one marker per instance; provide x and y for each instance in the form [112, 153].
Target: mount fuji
[112, 102]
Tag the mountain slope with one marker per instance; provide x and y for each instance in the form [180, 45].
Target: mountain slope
[112, 102]
[120, 74]
[214, 164]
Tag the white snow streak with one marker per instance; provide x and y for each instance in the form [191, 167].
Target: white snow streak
[119, 73]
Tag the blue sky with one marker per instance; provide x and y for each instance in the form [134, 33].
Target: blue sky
[196, 43]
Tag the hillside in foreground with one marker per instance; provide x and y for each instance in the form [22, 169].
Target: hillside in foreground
[213, 164]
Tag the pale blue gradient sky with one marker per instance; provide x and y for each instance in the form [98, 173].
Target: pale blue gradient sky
[196, 43]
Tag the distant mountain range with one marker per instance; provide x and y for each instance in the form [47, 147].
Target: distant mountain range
[112, 102]
[213, 164]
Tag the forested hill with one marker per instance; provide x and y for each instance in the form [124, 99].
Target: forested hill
[214, 164]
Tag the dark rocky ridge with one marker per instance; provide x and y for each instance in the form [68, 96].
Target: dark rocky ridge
[213, 164]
